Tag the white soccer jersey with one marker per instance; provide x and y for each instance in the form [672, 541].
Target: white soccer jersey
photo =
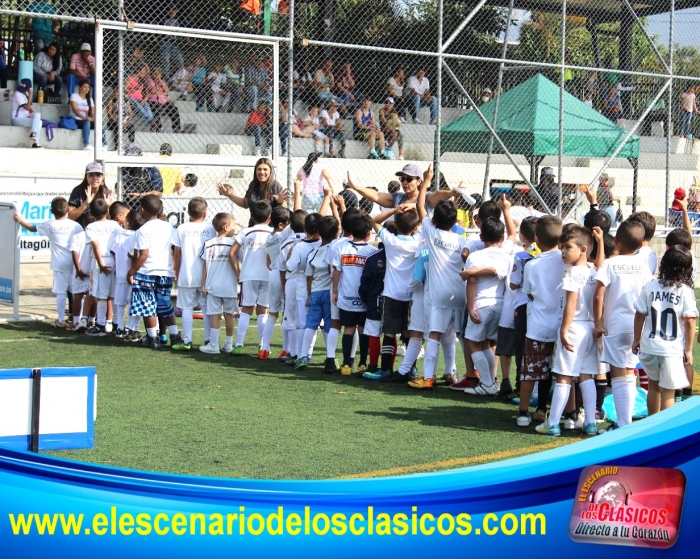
[649, 255]
[78, 244]
[190, 237]
[447, 289]
[542, 280]
[400, 260]
[296, 263]
[60, 232]
[318, 269]
[119, 248]
[623, 278]
[665, 307]
[253, 242]
[221, 279]
[156, 236]
[490, 290]
[101, 231]
[350, 260]
[334, 247]
[274, 244]
[581, 280]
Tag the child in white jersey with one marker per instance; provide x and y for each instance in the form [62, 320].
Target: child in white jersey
[252, 271]
[188, 240]
[542, 284]
[219, 283]
[121, 245]
[81, 253]
[645, 251]
[279, 221]
[289, 285]
[318, 284]
[620, 281]
[60, 232]
[664, 328]
[102, 286]
[575, 350]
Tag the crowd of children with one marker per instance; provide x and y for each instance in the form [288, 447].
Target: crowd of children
[575, 306]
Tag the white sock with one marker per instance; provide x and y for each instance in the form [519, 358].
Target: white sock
[207, 326]
[588, 395]
[430, 359]
[214, 337]
[243, 322]
[355, 343]
[229, 341]
[101, 312]
[332, 343]
[621, 397]
[300, 342]
[449, 352]
[409, 359]
[294, 342]
[173, 330]
[119, 315]
[187, 325]
[152, 332]
[262, 321]
[632, 387]
[268, 331]
[133, 322]
[491, 359]
[76, 318]
[61, 299]
[559, 401]
[481, 363]
[285, 340]
[310, 351]
[306, 343]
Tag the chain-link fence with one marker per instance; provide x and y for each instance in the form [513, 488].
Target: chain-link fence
[533, 98]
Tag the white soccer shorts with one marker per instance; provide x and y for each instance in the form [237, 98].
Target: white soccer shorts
[254, 292]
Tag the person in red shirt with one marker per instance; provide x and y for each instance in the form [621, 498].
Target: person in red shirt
[258, 125]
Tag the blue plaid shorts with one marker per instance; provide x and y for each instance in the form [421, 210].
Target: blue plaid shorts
[150, 296]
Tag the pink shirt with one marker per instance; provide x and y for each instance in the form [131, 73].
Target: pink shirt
[158, 92]
[133, 88]
[687, 102]
[81, 68]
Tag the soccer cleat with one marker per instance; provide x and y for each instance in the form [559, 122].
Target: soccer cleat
[226, 349]
[57, 324]
[181, 346]
[153, 343]
[568, 424]
[361, 369]
[540, 415]
[210, 348]
[422, 383]
[417, 121]
[379, 375]
[238, 350]
[330, 366]
[600, 416]
[346, 370]
[132, 336]
[465, 382]
[482, 389]
[82, 325]
[524, 419]
[546, 429]
[591, 429]
[449, 379]
[176, 339]
[396, 378]
[506, 392]
[120, 333]
[282, 355]
[301, 363]
[263, 355]
[96, 330]
[612, 427]
[291, 361]
[413, 373]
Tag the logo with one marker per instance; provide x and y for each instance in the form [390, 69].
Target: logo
[619, 505]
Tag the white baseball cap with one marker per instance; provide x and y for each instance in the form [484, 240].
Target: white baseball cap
[86, 46]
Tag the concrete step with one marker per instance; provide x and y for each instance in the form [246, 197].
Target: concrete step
[192, 143]
[18, 137]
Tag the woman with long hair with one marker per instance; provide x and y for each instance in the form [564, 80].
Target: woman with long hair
[92, 186]
[47, 69]
[82, 108]
[157, 93]
[312, 175]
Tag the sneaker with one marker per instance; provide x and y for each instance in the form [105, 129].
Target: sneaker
[417, 121]
[87, 147]
[403, 119]
[287, 357]
[400, 156]
[361, 369]
[374, 154]
[210, 348]
[396, 378]
[546, 429]
[301, 363]
[263, 354]
[568, 424]
[57, 324]
[465, 382]
[282, 355]
[600, 416]
[226, 348]
[422, 382]
[482, 389]
[176, 339]
[120, 333]
[109, 327]
[82, 325]
[132, 336]
[433, 121]
[413, 375]
[291, 361]
[163, 338]
[580, 418]
[238, 350]
[96, 330]
[612, 427]
[591, 429]
[449, 379]
[506, 392]
[524, 419]
[379, 375]
[346, 370]
[153, 343]
[389, 153]
[540, 415]
[330, 366]
[181, 346]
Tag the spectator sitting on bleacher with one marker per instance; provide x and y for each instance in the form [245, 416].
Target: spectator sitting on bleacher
[303, 83]
[181, 81]
[257, 83]
[300, 128]
[47, 69]
[199, 88]
[113, 117]
[395, 86]
[313, 122]
[258, 126]
[21, 112]
[42, 27]
[219, 95]
[235, 81]
[390, 123]
[419, 95]
[324, 84]
[136, 60]
[81, 67]
[82, 108]
[134, 93]
[345, 85]
[139, 181]
[333, 128]
[158, 102]
[366, 128]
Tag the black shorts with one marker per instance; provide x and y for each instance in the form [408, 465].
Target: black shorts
[352, 318]
[394, 315]
[505, 342]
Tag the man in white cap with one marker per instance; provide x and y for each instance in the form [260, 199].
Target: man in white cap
[486, 95]
[81, 67]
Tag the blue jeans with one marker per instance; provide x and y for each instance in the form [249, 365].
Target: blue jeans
[686, 119]
[73, 83]
[171, 50]
[284, 128]
[319, 308]
[143, 110]
[325, 97]
[417, 102]
[86, 126]
[41, 81]
[258, 133]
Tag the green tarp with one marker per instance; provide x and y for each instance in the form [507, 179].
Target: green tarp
[528, 124]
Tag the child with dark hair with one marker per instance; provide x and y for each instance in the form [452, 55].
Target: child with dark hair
[60, 231]
[371, 289]
[619, 283]
[664, 328]
[649, 223]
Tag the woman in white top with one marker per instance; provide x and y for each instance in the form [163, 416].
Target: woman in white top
[312, 175]
[22, 113]
[395, 87]
[83, 110]
[333, 128]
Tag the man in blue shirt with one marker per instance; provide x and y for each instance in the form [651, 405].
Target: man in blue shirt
[42, 30]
